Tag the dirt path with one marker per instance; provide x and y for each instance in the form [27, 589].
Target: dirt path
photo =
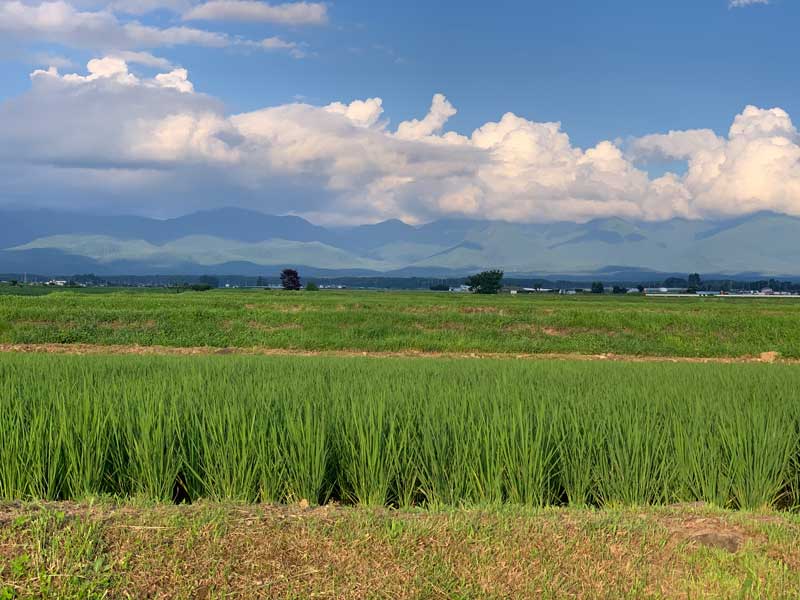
[83, 349]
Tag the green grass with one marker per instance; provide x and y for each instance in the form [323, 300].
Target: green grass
[431, 432]
[397, 321]
[219, 550]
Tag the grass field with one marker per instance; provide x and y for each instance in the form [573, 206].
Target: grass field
[427, 432]
[396, 321]
[105, 550]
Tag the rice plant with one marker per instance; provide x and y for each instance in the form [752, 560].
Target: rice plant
[398, 432]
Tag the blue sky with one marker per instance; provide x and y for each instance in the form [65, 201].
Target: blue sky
[617, 67]
[605, 69]
[615, 70]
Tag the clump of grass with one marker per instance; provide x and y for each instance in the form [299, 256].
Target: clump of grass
[398, 432]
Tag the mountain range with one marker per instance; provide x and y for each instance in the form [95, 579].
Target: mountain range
[244, 242]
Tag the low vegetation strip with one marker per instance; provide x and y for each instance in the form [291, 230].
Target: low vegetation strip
[396, 432]
[398, 322]
[209, 550]
[136, 350]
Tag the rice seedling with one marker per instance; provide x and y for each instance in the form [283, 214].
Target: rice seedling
[367, 450]
[86, 428]
[761, 444]
[703, 466]
[306, 450]
[147, 446]
[398, 432]
[529, 452]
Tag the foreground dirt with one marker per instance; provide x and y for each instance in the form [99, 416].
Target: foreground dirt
[221, 551]
[79, 349]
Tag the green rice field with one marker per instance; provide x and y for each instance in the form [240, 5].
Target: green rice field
[210, 465]
[399, 432]
[400, 321]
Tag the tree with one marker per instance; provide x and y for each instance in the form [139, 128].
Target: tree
[290, 280]
[693, 283]
[201, 287]
[675, 282]
[487, 282]
[598, 287]
[312, 287]
[209, 280]
[618, 289]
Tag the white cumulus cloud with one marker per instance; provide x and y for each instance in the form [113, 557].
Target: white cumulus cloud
[441, 110]
[142, 58]
[279, 44]
[364, 113]
[757, 167]
[115, 69]
[291, 13]
[156, 141]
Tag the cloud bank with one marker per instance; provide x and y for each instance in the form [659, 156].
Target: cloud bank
[110, 29]
[296, 13]
[112, 140]
[59, 22]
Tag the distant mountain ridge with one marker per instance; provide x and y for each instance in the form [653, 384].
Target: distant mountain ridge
[237, 241]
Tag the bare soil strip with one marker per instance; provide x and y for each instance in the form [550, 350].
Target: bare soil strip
[85, 349]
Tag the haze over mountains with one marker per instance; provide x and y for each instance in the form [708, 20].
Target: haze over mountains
[235, 241]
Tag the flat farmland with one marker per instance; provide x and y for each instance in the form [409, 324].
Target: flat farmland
[407, 322]
[264, 444]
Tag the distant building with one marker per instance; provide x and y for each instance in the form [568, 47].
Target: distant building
[663, 290]
[461, 289]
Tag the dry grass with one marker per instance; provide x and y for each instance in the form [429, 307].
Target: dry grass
[216, 551]
[273, 328]
[118, 349]
[483, 310]
[119, 325]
